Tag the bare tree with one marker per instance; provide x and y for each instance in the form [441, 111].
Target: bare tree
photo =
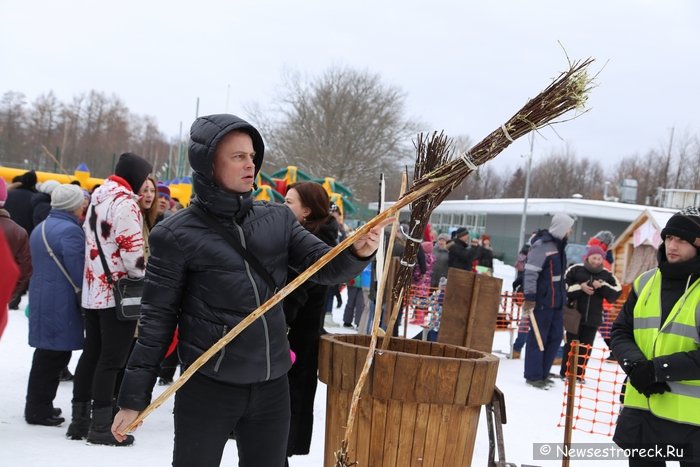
[12, 127]
[345, 124]
[93, 128]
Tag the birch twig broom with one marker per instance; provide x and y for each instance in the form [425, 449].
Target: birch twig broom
[567, 92]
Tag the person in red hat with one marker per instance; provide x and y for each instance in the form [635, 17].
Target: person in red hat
[588, 285]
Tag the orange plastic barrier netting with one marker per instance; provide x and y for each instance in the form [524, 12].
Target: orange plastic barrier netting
[597, 392]
[421, 303]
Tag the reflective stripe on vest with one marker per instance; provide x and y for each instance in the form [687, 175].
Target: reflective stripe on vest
[679, 333]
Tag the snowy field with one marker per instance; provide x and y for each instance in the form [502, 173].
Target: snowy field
[533, 415]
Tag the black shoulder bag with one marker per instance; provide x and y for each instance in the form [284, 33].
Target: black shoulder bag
[127, 291]
[236, 244]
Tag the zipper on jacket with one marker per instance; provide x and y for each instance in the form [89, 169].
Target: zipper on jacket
[257, 301]
[222, 354]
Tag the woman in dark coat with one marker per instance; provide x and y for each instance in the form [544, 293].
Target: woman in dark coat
[589, 283]
[55, 321]
[304, 310]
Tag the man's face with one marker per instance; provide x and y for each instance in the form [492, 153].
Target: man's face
[234, 166]
[678, 250]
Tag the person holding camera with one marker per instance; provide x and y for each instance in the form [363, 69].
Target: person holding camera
[588, 284]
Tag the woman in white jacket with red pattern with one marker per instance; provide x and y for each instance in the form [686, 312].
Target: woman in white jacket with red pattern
[115, 216]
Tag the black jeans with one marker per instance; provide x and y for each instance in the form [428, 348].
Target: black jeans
[43, 380]
[207, 411]
[105, 352]
[586, 336]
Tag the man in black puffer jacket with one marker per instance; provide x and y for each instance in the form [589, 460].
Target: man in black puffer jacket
[196, 281]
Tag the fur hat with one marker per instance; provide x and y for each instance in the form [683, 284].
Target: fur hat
[444, 236]
[67, 197]
[134, 169]
[3, 192]
[684, 224]
[28, 179]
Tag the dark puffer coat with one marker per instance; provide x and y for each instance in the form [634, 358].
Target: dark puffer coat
[591, 306]
[305, 310]
[197, 281]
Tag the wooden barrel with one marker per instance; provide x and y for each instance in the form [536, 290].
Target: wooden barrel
[420, 405]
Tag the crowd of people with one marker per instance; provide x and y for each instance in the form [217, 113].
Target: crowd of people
[204, 269]
[207, 267]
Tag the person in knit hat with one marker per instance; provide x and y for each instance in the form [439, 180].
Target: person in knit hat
[589, 285]
[19, 201]
[545, 295]
[68, 198]
[3, 192]
[164, 200]
[41, 201]
[655, 339]
[604, 239]
[55, 323]
[114, 217]
[18, 242]
[460, 254]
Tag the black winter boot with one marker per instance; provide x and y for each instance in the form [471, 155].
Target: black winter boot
[101, 428]
[41, 414]
[80, 421]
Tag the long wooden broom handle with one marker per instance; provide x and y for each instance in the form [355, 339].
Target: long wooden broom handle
[350, 425]
[272, 301]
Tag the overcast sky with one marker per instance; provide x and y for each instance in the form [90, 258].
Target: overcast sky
[465, 66]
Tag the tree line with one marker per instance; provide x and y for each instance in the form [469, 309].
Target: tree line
[344, 123]
[92, 128]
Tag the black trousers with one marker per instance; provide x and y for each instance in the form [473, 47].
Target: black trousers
[43, 380]
[207, 411]
[105, 352]
[586, 335]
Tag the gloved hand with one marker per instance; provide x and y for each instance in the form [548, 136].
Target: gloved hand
[643, 378]
[339, 302]
[528, 307]
[656, 388]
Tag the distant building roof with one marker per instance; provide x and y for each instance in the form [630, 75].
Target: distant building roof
[544, 206]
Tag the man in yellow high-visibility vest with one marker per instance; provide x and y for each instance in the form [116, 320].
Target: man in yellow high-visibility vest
[656, 339]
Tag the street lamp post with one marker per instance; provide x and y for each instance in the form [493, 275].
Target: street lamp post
[528, 168]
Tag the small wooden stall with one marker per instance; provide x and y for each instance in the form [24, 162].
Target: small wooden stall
[635, 249]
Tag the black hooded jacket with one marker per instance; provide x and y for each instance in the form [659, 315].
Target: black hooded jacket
[196, 280]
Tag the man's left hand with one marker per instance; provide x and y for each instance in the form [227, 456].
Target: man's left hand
[368, 243]
[643, 376]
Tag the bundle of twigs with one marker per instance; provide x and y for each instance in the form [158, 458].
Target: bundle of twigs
[431, 153]
[567, 92]
[434, 179]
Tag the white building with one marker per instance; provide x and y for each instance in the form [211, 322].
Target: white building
[501, 218]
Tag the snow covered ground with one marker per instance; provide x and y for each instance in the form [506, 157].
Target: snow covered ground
[533, 416]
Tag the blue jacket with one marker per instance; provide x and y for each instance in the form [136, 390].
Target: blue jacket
[55, 321]
[543, 281]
